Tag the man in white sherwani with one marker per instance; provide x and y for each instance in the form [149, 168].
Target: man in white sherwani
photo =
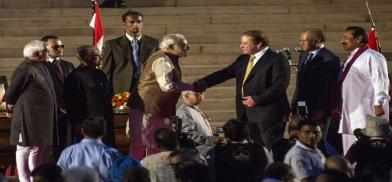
[364, 85]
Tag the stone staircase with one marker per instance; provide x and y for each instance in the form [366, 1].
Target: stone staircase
[213, 29]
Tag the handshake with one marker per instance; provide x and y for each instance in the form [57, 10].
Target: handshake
[199, 86]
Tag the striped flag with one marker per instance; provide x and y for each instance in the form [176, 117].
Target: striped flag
[373, 41]
[96, 24]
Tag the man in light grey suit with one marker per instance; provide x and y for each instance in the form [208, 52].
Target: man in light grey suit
[195, 123]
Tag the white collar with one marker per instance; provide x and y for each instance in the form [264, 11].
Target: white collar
[50, 59]
[354, 51]
[315, 52]
[300, 144]
[260, 53]
[130, 38]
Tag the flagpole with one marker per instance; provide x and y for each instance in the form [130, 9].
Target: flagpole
[370, 15]
[93, 7]
[373, 26]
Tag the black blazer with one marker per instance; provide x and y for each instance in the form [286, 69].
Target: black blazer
[118, 63]
[316, 80]
[87, 94]
[58, 81]
[267, 84]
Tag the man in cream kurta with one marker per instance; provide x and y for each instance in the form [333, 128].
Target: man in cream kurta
[364, 88]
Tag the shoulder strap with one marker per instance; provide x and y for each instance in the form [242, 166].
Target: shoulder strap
[349, 64]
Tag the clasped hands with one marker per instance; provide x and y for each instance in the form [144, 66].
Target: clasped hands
[201, 86]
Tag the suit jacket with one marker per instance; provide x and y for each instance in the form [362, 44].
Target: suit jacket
[195, 125]
[266, 84]
[316, 80]
[58, 81]
[118, 62]
[34, 114]
[87, 94]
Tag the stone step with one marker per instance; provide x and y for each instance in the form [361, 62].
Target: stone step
[198, 20]
[200, 10]
[182, 3]
[26, 4]
[212, 38]
[159, 30]
[149, 3]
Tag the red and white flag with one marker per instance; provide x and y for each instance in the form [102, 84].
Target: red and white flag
[373, 41]
[96, 24]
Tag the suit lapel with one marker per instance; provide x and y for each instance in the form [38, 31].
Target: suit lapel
[52, 68]
[125, 44]
[301, 63]
[318, 56]
[143, 47]
[262, 61]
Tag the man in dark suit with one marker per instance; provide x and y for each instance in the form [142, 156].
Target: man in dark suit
[318, 71]
[124, 56]
[32, 101]
[58, 69]
[87, 94]
[262, 77]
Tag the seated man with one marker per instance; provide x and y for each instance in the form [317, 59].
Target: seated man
[373, 145]
[195, 123]
[237, 160]
[91, 152]
[304, 157]
[158, 164]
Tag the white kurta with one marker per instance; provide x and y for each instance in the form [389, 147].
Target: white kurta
[366, 85]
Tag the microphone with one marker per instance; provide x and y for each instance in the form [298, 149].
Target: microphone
[298, 49]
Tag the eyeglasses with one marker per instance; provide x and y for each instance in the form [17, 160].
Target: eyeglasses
[58, 46]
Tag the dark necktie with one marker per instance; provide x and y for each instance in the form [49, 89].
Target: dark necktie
[309, 58]
[135, 54]
[56, 62]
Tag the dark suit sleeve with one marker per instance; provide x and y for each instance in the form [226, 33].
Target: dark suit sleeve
[72, 99]
[222, 75]
[107, 61]
[20, 79]
[294, 100]
[280, 81]
[330, 75]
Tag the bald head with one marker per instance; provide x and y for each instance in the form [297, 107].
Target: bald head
[339, 163]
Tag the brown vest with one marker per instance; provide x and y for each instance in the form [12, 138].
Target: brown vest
[157, 102]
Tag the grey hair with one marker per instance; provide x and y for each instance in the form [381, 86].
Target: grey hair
[184, 93]
[81, 174]
[33, 47]
[316, 35]
[83, 52]
[171, 39]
